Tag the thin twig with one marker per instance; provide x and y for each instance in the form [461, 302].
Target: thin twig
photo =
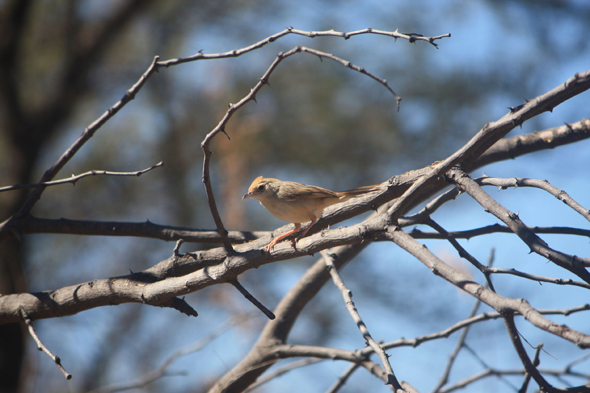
[489, 229]
[252, 299]
[463, 253]
[527, 376]
[40, 345]
[75, 178]
[485, 366]
[524, 358]
[404, 342]
[347, 295]
[489, 372]
[85, 137]
[534, 277]
[460, 342]
[445, 377]
[341, 381]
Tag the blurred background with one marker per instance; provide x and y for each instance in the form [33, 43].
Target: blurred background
[63, 63]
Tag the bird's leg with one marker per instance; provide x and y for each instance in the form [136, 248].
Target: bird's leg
[270, 245]
[294, 242]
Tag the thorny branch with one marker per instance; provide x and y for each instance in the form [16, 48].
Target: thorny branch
[347, 295]
[74, 178]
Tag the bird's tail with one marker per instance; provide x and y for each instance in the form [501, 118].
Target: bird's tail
[359, 191]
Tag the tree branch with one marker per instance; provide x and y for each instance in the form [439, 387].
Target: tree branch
[497, 302]
[148, 229]
[252, 299]
[40, 345]
[74, 179]
[569, 262]
[311, 34]
[347, 295]
[541, 184]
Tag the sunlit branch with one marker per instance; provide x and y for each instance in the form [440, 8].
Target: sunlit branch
[311, 34]
[498, 302]
[347, 295]
[572, 263]
[541, 184]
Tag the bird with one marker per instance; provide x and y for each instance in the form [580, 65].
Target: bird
[298, 203]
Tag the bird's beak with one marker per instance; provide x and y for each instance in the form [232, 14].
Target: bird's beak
[248, 195]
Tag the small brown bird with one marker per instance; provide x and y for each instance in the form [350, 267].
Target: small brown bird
[298, 203]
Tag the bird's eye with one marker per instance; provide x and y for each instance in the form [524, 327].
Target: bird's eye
[260, 187]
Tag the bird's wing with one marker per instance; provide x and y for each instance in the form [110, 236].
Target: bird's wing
[292, 191]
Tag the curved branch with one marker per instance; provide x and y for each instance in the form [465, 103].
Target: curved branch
[541, 184]
[311, 34]
[572, 263]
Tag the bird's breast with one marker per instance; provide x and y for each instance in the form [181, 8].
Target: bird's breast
[296, 211]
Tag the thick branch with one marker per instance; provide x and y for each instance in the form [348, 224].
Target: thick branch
[519, 145]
